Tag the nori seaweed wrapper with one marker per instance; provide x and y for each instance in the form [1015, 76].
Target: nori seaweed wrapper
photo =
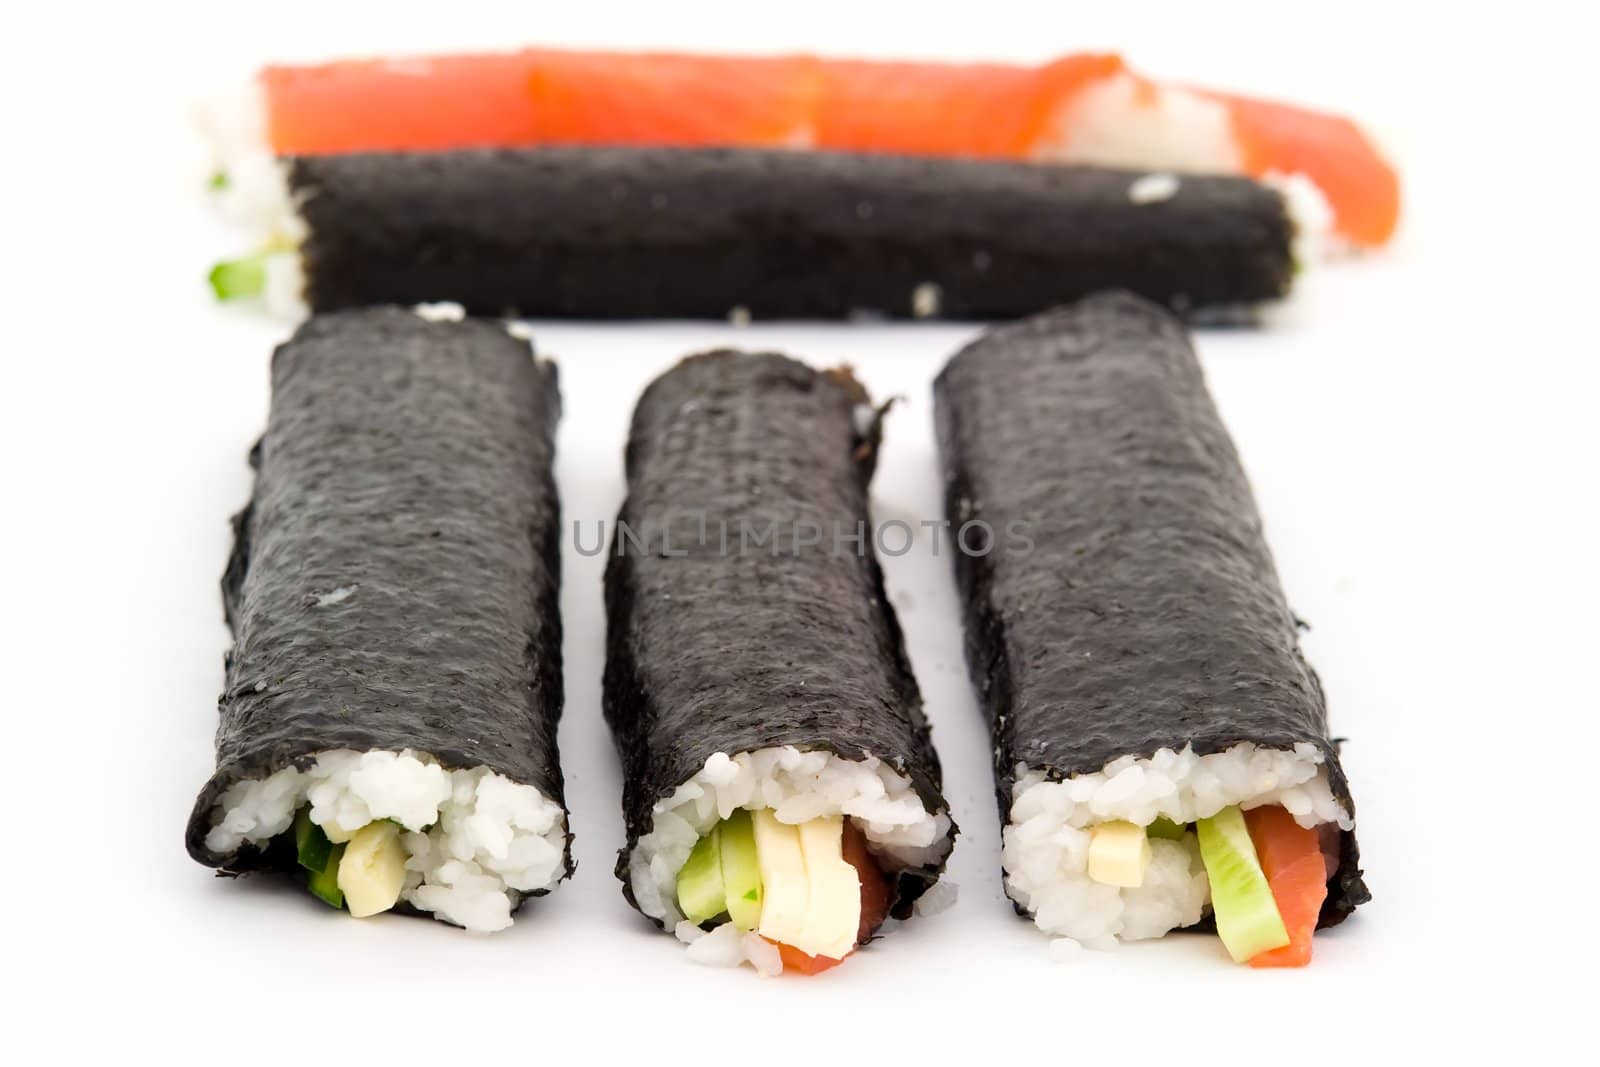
[732, 649]
[672, 232]
[407, 467]
[1148, 612]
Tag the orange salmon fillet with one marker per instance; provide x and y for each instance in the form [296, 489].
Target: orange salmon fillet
[1291, 858]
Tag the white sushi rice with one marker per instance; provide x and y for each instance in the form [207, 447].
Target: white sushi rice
[797, 786]
[256, 194]
[285, 292]
[1046, 841]
[1154, 188]
[476, 840]
[1122, 121]
[1311, 214]
[443, 311]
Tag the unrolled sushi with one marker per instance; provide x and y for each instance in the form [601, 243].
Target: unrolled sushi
[1086, 108]
[1161, 745]
[387, 733]
[709, 233]
[782, 793]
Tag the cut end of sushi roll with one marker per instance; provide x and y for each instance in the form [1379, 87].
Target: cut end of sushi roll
[1067, 862]
[799, 802]
[1309, 213]
[1124, 120]
[251, 188]
[372, 830]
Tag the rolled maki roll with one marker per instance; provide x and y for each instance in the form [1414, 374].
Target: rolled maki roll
[1082, 108]
[782, 791]
[388, 727]
[711, 233]
[1161, 745]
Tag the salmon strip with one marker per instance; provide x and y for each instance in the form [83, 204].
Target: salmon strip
[1291, 858]
[669, 99]
[1362, 188]
[370, 105]
[941, 109]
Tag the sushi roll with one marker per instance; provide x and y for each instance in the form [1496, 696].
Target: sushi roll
[387, 733]
[1161, 745]
[1086, 108]
[781, 787]
[770, 234]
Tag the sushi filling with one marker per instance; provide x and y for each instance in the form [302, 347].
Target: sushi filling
[1131, 852]
[816, 838]
[273, 275]
[373, 829]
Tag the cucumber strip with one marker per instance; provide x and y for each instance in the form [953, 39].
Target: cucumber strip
[700, 891]
[1166, 828]
[1247, 915]
[741, 870]
[235, 279]
[324, 884]
[311, 845]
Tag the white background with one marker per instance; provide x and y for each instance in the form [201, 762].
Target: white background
[1419, 432]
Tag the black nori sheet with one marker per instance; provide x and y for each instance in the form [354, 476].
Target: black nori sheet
[410, 462]
[1148, 613]
[731, 650]
[652, 232]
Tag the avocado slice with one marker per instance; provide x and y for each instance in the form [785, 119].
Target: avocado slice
[700, 895]
[741, 870]
[1247, 915]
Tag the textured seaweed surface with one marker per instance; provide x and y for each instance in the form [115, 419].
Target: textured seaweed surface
[649, 232]
[406, 468]
[1148, 613]
[713, 650]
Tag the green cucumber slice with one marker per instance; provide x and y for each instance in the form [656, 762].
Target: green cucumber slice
[324, 884]
[1247, 916]
[700, 893]
[741, 870]
[236, 279]
[311, 845]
